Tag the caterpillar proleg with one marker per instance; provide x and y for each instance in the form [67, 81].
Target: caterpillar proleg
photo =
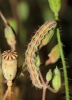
[32, 48]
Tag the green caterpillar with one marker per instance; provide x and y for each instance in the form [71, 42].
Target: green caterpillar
[46, 30]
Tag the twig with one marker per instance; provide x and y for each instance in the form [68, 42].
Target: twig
[44, 93]
[44, 86]
[52, 90]
[3, 18]
[41, 78]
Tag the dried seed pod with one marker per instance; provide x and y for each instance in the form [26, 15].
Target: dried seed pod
[9, 64]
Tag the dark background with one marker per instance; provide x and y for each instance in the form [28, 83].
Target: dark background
[26, 16]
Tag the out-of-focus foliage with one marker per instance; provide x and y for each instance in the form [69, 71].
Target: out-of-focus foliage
[23, 35]
[47, 14]
[13, 24]
[23, 10]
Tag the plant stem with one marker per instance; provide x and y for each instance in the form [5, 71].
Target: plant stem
[3, 18]
[41, 77]
[44, 93]
[64, 65]
[9, 93]
[44, 86]
[56, 16]
[52, 90]
[9, 84]
[5, 96]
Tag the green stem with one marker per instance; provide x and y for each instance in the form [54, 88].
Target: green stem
[56, 16]
[64, 65]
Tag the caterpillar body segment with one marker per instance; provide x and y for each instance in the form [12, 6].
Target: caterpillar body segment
[46, 38]
[32, 48]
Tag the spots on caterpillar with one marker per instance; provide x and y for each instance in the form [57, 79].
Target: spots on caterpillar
[32, 61]
[32, 69]
[32, 48]
[46, 38]
[45, 31]
[50, 25]
[35, 81]
[34, 76]
[35, 41]
[42, 29]
[29, 61]
[29, 55]
[37, 84]
[39, 35]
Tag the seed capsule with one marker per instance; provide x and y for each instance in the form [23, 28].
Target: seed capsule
[49, 75]
[10, 37]
[56, 82]
[9, 64]
[55, 5]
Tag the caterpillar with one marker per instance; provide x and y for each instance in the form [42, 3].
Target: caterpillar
[32, 48]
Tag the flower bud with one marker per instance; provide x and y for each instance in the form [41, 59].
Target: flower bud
[49, 75]
[56, 82]
[56, 71]
[54, 55]
[55, 5]
[9, 64]
[10, 37]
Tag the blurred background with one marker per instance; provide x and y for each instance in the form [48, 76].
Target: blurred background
[26, 16]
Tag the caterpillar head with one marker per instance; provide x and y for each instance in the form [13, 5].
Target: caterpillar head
[52, 24]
